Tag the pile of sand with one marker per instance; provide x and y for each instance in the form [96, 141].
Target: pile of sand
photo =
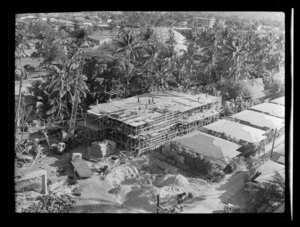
[176, 180]
[171, 185]
[198, 184]
[121, 173]
[171, 180]
[101, 149]
[121, 191]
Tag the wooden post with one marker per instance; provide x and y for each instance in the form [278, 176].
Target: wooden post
[273, 143]
[157, 203]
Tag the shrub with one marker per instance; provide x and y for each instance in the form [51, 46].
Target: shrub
[230, 167]
[264, 197]
[236, 164]
[51, 204]
[190, 195]
[227, 111]
[196, 162]
[215, 175]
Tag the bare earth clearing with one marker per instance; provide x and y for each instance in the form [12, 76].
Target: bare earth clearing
[129, 187]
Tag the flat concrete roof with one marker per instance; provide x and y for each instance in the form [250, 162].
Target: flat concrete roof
[270, 108]
[239, 131]
[279, 101]
[259, 119]
[214, 148]
[172, 101]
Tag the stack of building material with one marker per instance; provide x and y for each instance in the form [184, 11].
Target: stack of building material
[101, 149]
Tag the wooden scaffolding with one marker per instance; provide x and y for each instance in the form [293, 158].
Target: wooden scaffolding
[139, 133]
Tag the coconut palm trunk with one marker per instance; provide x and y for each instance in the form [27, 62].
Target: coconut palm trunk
[74, 110]
[17, 120]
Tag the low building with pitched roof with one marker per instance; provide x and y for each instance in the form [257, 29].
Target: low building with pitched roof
[279, 101]
[270, 108]
[217, 150]
[258, 120]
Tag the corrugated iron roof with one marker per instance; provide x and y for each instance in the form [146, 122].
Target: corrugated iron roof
[214, 148]
[281, 159]
[239, 131]
[259, 119]
[268, 170]
[279, 101]
[270, 108]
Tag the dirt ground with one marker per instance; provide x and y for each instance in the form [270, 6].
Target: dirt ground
[130, 185]
[230, 190]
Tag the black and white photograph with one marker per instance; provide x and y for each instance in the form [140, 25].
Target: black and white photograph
[153, 112]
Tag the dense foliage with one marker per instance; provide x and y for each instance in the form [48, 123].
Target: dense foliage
[192, 160]
[266, 196]
[137, 61]
[51, 204]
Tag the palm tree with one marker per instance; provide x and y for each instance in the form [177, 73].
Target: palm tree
[79, 85]
[209, 55]
[22, 44]
[128, 47]
[159, 64]
[260, 195]
[68, 84]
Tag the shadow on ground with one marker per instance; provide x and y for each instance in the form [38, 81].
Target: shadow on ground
[218, 212]
[103, 206]
[234, 190]
[193, 200]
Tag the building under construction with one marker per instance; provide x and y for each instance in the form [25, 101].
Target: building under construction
[142, 123]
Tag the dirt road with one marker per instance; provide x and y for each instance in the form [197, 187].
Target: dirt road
[230, 190]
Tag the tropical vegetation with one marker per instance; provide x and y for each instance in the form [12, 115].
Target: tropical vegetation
[214, 60]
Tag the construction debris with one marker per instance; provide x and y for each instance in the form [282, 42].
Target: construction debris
[58, 148]
[101, 149]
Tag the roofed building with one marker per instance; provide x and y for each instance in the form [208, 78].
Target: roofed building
[253, 140]
[258, 120]
[268, 170]
[217, 150]
[206, 21]
[146, 121]
[278, 154]
[238, 131]
[270, 108]
[279, 101]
